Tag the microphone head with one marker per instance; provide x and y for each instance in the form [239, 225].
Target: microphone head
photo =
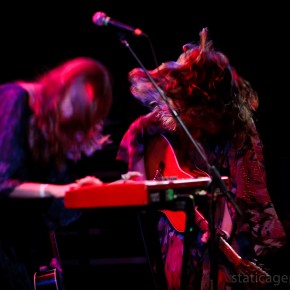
[99, 18]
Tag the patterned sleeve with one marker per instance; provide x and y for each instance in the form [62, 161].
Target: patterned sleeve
[259, 215]
[13, 140]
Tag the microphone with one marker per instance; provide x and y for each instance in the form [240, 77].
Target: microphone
[101, 19]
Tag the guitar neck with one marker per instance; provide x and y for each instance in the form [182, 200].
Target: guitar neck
[54, 245]
[229, 252]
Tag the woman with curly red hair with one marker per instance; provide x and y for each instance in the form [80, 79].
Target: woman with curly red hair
[217, 107]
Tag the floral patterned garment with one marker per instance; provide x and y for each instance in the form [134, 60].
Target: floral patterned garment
[256, 235]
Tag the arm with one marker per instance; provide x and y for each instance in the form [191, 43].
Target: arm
[14, 118]
[260, 217]
[38, 190]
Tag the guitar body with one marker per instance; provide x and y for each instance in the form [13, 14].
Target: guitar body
[50, 277]
[47, 279]
[161, 163]
[160, 158]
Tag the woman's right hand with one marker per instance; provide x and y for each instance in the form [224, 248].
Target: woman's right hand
[59, 191]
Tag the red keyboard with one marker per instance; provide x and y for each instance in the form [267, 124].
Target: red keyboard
[140, 193]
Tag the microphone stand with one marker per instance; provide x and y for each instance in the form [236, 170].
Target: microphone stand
[216, 180]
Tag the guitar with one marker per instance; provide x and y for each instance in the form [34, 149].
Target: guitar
[161, 162]
[47, 278]
[50, 277]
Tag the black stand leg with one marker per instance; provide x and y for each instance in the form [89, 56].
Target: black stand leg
[189, 205]
[213, 241]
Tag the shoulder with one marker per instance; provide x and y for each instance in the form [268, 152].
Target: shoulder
[11, 93]
[133, 140]
[12, 88]
[148, 124]
[14, 102]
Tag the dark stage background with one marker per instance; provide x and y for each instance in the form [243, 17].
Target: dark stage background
[105, 247]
